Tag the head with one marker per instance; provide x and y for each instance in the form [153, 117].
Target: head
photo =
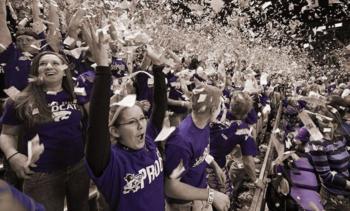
[27, 41]
[127, 125]
[241, 105]
[52, 69]
[206, 102]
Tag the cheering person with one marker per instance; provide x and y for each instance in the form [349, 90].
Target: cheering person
[130, 173]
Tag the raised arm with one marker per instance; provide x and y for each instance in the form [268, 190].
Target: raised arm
[53, 36]
[5, 35]
[159, 98]
[98, 138]
[38, 25]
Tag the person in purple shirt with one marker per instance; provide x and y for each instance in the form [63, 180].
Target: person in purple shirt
[130, 173]
[331, 160]
[224, 139]
[187, 155]
[48, 107]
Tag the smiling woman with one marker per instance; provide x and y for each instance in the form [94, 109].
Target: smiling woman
[48, 107]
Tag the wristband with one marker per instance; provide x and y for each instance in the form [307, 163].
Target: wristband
[210, 197]
[8, 159]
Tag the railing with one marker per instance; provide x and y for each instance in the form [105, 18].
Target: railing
[258, 202]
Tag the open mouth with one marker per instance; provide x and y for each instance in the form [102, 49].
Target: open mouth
[141, 136]
[50, 73]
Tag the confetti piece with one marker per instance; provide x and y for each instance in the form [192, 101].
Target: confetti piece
[127, 101]
[35, 149]
[35, 47]
[209, 159]
[327, 130]
[202, 98]
[23, 22]
[68, 41]
[266, 4]
[80, 91]
[12, 92]
[2, 46]
[165, 133]
[35, 111]
[224, 136]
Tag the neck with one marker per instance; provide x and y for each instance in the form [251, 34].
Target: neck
[200, 120]
[54, 88]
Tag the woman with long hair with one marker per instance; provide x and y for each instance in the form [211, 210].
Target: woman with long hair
[48, 107]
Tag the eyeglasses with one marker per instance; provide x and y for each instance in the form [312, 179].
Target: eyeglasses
[134, 122]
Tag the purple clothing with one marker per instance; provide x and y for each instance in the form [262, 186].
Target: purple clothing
[86, 79]
[62, 138]
[119, 68]
[133, 174]
[17, 66]
[223, 139]
[331, 161]
[25, 201]
[176, 94]
[188, 144]
[252, 117]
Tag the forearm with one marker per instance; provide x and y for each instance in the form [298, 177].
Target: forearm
[8, 144]
[98, 138]
[249, 166]
[36, 11]
[179, 190]
[5, 35]
[159, 97]
[53, 32]
[176, 102]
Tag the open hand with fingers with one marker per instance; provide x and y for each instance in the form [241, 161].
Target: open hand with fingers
[98, 45]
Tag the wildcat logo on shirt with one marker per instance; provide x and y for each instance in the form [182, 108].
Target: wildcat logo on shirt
[202, 157]
[136, 182]
[62, 111]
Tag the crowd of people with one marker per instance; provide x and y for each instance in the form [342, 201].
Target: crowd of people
[87, 102]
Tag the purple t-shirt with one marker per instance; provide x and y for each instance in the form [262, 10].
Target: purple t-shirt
[133, 179]
[62, 138]
[223, 139]
[191, 145]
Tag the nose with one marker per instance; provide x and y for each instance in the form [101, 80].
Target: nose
[49, 65]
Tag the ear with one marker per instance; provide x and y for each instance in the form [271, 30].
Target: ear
[114, 132]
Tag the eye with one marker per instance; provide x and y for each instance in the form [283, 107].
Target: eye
[132, 122]
[42, 64]
[143, 118]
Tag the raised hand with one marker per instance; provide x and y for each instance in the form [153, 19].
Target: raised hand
[97, 43]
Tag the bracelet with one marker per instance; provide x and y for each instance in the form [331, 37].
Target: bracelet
[210, 197]
[8, 159]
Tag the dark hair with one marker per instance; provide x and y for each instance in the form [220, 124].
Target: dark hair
[34, 96]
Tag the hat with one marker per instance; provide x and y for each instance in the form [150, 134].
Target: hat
[119, 103]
